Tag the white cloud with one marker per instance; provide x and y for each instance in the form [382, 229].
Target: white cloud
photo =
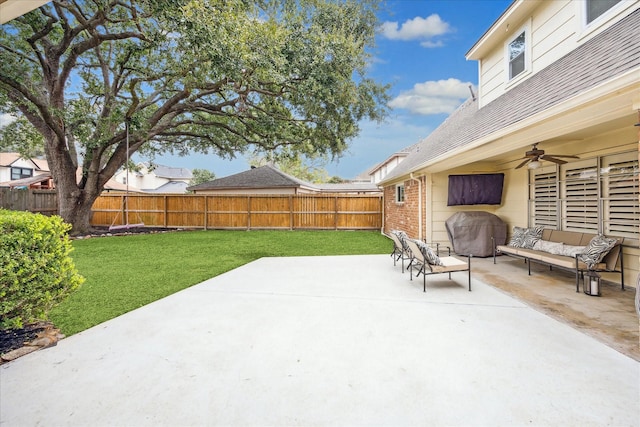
[418, 28]
[433, 97]
[6, 119]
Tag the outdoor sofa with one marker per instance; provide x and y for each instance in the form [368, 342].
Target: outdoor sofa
[569, 250]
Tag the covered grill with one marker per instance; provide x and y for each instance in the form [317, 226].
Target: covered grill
[471, 232]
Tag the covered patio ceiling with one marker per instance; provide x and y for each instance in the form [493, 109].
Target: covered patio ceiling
[11, 9]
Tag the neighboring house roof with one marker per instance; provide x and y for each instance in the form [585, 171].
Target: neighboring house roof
[349, 187]
[260, 177]
[168, 172]
[8, 159]
[113, 185]
[270, 177]
[609, 54]
[170, 187]
[41, 164]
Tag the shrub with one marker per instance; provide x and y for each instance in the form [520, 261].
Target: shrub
[36, 271]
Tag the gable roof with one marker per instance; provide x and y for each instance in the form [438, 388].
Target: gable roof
[609, 54]
[261, 177]
[8, 159]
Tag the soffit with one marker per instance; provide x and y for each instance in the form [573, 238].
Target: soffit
[11, 9]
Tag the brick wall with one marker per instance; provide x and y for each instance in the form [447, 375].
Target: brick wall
[404, 216]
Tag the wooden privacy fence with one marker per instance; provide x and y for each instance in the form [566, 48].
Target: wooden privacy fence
[32, 200]
[334, 212]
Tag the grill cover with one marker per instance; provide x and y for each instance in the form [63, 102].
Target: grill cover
[471, 232]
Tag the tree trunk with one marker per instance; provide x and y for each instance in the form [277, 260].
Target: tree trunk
[74, 202]
[75, 209]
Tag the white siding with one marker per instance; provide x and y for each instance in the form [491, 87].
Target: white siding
[557, 28]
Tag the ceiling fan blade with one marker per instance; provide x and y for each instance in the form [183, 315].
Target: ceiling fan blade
[560, 155]
[554, 160]
[523, 163]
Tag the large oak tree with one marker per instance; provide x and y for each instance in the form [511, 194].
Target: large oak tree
[222, 76]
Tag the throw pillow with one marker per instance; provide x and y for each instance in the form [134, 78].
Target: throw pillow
[517, 237]
[597, 249]
[572, 251]
[402, 236]
[428, 253]
[556, 248]
[531, 236]
[525, 237]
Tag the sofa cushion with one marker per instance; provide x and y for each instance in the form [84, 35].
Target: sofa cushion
[596, 250]
[449, 264]
[565, 262]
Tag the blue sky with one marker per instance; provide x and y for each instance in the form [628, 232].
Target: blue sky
[421, 51]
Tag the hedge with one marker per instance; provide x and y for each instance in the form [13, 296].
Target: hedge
[36, 271]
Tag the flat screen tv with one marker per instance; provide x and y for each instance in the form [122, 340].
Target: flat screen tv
[475, 189]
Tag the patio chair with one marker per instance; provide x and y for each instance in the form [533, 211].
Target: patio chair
[430, 263]
[400, 250]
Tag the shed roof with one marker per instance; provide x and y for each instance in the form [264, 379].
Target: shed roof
[609, 54]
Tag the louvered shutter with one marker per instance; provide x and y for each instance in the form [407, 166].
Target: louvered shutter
[580, 197]
[544, 198]
[620, 195]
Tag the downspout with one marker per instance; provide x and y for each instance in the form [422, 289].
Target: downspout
[419, 204]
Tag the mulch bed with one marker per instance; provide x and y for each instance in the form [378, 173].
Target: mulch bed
[18, 342]
[105, 232]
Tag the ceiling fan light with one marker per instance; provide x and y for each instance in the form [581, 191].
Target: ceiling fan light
[535, 164]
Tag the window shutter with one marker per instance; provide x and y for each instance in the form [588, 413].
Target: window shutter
[544, 194]
[621, 205]
[580, 202]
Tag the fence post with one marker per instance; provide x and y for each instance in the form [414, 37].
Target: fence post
[335, 212]
[290, 212]
[206, 209]
[248, 212]
[166, 212]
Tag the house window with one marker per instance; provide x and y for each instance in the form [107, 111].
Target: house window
[516, 51]
[400, 193]
[596, 8]
[592, 196]
[19, 173]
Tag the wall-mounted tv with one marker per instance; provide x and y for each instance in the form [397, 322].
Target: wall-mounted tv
[475, 189]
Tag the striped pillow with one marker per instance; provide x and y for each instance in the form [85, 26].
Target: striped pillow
[525, 237]
[596, 250]
[402, 236]
[428, 253]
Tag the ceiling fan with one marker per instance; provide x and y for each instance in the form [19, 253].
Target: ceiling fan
[535, 155]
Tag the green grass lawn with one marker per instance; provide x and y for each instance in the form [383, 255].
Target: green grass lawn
[126, 272]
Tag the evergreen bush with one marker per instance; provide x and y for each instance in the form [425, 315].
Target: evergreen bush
[36, 271]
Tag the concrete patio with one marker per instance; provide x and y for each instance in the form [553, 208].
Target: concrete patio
[343, 340]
